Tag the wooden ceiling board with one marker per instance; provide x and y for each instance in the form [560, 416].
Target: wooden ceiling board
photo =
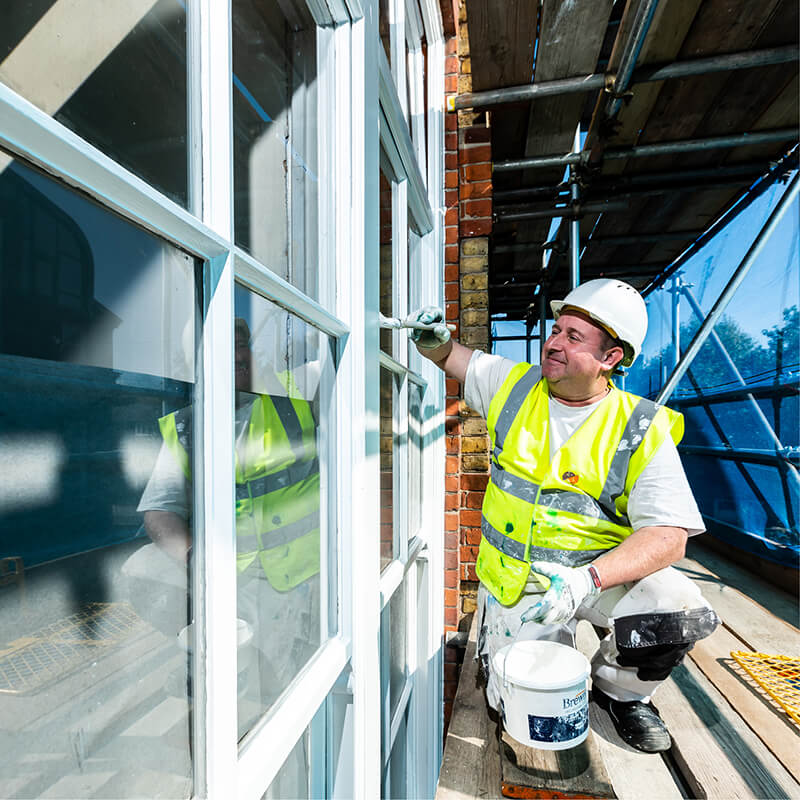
[748, 95]
[714, 104]
[727, 25]
[501, 39]
[671, 23]
[570, 39]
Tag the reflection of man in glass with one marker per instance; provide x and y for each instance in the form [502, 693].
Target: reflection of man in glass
[277, 518]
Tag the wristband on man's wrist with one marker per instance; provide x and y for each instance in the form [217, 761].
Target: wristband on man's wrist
[595, 578]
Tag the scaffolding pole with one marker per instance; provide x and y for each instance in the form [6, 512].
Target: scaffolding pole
[659, 149]
[631, 193]
[677, 286]
[630, 53]
[599, 207]
[575, 224]
[685, 289]
[706, 329]
[695, 178]
[649, 74]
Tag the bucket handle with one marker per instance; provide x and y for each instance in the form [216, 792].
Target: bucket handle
[563, 626]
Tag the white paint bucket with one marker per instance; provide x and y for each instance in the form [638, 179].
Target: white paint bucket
[543, 696]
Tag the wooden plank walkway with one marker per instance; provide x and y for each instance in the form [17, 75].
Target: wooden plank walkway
[729, 741]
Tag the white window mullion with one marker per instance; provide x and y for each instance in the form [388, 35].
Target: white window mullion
[267, 745]
[360, 274]
[397, 34]
[433, 455]
[415, 729]
[395, 136]
[215, 730]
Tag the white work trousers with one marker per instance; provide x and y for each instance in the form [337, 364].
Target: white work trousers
[666, 594]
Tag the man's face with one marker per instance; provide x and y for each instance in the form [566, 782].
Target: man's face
[242, 362]
[574, 351]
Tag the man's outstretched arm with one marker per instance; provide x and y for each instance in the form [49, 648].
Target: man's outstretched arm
[451, 357]
[644, 552]
[436, 344]
[170, 532]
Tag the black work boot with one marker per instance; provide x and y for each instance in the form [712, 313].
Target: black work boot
[637, 723]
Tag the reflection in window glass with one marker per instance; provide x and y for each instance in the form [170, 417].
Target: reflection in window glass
[398, 762]
[275, 138]
[293, 781]
[397, 647]
[415, 444]
[283, 394]
[385, 28]
[117, 77]
[96, 349]
[387, 447]
[387, 305]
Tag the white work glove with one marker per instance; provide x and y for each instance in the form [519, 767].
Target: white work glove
[428, 339]
[569, 587]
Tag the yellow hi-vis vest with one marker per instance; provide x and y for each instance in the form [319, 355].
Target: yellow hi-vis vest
[277, 487]
[568, 507]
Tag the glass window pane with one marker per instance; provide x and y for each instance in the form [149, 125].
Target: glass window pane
[384, 26]
[275, 139]
[398, 762]
[283, 396]
[387, 451]
[117, 77]
[96, 350]
[397, 647]
[387, 301]
[515, 349]
[415, 443]
[293, 781]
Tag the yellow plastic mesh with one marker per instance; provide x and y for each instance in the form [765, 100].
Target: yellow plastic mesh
[778, 676]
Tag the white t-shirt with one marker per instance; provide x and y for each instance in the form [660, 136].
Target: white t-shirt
[661, 495]
[167, 489]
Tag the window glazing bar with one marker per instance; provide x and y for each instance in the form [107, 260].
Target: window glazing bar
[396, 136]
[258, 278]
[37, 137]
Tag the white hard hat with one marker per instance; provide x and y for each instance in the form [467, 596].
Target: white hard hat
[617, 306]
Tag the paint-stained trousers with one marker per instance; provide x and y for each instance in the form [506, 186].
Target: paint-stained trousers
[650, 626]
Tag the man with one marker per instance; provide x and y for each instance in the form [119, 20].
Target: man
[587, 505]
[277, 522]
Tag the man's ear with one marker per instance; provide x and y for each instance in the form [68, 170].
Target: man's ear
[612, 357]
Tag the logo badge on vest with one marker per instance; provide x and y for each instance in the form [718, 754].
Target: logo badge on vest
[570, 477]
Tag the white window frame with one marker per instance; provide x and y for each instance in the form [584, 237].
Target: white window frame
[414, 201]
[353, 97]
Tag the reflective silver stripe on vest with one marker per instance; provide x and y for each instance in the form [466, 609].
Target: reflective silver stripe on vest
[577, 503]
[511, 407]
[279, 536]
[514, 549]
[558, 499]
[514, 485]
[287, 414]
[276, 480]
[632, 438]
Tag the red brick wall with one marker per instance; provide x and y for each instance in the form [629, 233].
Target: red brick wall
[468, 222]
